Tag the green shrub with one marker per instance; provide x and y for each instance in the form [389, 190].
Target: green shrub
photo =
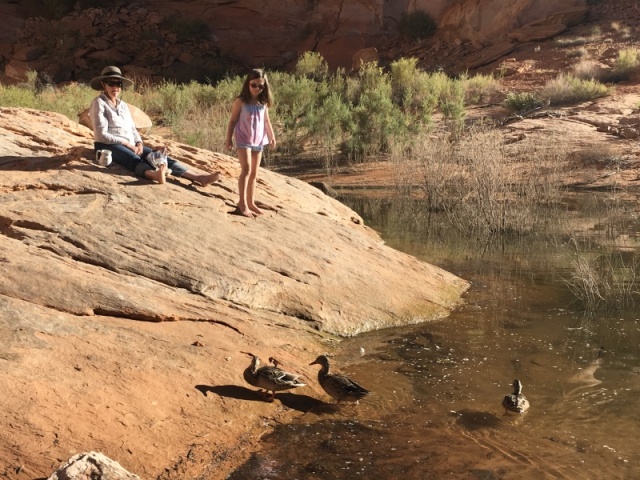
[168, 101]
[295, 97]
[425, 99]
[413, 91]
[312, 65]
[521, 102]
[479, 88]
[16, 96]
[627, 59]
[452, 103]
[626, 63]
[404, 73]
[416, 25]
[351, 89]
[69, 100]
[329, 122]
[376, 118]
[438, 82]
[566, 89]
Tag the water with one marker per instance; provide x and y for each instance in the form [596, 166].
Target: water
[436, 409]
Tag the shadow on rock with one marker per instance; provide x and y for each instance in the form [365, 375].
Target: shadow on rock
[302, 403]
[33, 164]
[232, 391]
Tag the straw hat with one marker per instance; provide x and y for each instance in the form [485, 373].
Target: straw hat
[109, 73]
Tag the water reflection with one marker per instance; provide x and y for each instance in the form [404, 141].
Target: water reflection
[435, 411]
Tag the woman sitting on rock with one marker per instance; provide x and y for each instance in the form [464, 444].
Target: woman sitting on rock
[114, 130]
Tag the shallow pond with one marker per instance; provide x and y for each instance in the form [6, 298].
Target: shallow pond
[436, 408]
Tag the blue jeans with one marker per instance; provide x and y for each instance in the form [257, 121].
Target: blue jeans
[134, 163]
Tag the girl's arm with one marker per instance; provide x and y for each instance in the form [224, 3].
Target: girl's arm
[267, 123]
[235, 114]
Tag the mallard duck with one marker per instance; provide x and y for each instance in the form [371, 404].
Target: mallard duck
[270, 378]
[342, 388]
[516, 402]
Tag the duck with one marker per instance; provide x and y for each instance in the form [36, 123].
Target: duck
[270, 378]
[516, 402]
[338, 386]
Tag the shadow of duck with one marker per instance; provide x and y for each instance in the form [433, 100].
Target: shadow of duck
[476, 419]
[301, 403]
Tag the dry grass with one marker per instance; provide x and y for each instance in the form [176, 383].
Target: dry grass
[482, 185]
[587, 69]
[602, 275]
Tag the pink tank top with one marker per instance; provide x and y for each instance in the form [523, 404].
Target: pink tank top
[250, 129]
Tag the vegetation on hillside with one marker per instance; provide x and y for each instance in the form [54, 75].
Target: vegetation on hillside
[361, 117]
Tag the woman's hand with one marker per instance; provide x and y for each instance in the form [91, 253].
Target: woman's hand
[137, 148]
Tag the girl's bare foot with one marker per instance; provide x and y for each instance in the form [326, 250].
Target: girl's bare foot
[256, 210]
[244, 211]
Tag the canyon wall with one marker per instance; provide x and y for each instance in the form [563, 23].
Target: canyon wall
[208, 38]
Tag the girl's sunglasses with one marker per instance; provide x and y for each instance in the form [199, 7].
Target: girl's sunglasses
[114, 83]
[257, 85]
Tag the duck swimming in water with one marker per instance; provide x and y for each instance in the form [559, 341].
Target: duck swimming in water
[270, 378]
[516, 402]
[337, 386]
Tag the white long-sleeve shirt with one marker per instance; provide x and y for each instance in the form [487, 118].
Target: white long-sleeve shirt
[112, 125]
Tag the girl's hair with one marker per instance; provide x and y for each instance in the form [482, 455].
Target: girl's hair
[265, 96]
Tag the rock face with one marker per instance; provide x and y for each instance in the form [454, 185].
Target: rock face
[200, 40]
[489, 21]
[493, 28]
[124, 305]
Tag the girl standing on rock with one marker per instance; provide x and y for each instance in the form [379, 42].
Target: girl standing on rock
[252, 127]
